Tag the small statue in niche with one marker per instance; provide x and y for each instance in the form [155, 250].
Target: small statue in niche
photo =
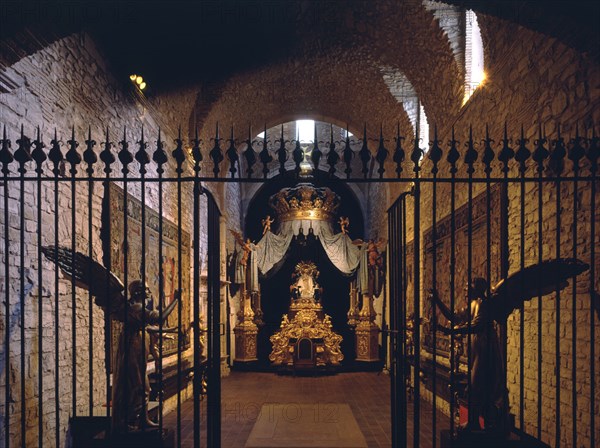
[266, 223]
[344, 223]
[131, 387]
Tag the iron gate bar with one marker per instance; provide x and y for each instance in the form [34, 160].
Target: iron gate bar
[74, 159]
[521, 156]
[556, 157]
[416, 155]
[539, 155]
[393, 268]
[452, 158]
[39, 156]
[197, 385]
[6, 157]
[179, 157]
[470, 157]
[126, 158]
[488, 157]
[89, 156]
[108, 158]
[504, 156]
[404, 304]
[593, 155]
[22, 156]
[160, 157]
[142, 157]
[435, 155]
[214, 299]
[57, 157]
[332, 180]
[576, 153]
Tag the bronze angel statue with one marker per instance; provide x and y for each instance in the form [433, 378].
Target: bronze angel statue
[131, 387]
[488, 392]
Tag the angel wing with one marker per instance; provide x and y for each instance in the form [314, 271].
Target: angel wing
[358, 242]
[533, 281]
[90, 275]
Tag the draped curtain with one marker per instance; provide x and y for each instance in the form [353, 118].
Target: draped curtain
[271, 249]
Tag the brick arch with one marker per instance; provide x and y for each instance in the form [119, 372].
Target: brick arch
[422, 51]
[317, 89]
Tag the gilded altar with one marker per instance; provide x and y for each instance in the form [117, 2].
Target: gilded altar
[306, 339]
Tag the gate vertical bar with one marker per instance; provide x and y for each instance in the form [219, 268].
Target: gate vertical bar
[214, 306]
[160, 158]
[22, 156]
[556, 159]
[416, 158]
[470, 158]
[592, 155]
[452, 158]
[179, 156]
[56, 156]
[576, 152]
[142, 157]
[539, 155]
[108, 158]
[73, 158]
[6, 158]
[90, 158]
[39, 156]
[125, 158]
[197, 271]
[435, 154]
[393, 271]
[401, 377]
[521, 156]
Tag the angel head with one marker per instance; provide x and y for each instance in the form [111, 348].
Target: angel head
[138, 290]
[478, 288]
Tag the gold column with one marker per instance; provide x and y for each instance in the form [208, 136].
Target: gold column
[245, 332]
[353, 310]
[367, 333]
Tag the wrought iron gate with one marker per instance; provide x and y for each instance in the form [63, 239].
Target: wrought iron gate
[531, 200]
[144, 173]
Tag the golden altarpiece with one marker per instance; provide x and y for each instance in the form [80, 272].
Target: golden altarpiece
[306, 339]
[306, 334]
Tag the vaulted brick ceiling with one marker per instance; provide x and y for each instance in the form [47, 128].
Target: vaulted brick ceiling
[269, 60]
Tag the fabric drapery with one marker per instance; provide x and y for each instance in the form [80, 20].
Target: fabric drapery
[271, 249]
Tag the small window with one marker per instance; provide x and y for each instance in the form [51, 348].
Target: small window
[474, 64]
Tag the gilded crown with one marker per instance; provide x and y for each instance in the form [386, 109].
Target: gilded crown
[305, 202]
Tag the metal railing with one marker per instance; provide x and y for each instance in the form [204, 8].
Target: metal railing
[39, 175]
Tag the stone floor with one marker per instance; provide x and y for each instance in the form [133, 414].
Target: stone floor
[245, 393]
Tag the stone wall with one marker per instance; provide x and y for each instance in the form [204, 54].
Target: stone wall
[534, 80]
[66, 84]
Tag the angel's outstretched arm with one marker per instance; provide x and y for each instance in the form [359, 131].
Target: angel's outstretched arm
[440, 304]
[153, 316]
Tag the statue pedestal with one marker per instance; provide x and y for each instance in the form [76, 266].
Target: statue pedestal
[246, 333]
[245, 342]
[367, 341]
[367, 333]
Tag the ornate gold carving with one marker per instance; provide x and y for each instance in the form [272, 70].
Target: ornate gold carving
[305, 202]
[245, 332]
[306, 324]
[367, 332]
